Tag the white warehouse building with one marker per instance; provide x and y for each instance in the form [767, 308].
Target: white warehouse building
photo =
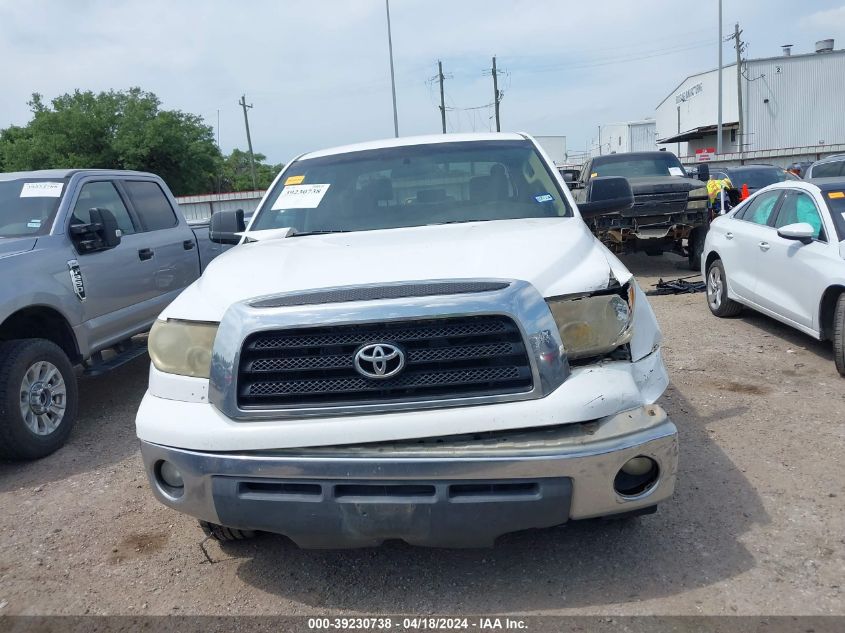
[791, 109]
[629, 136]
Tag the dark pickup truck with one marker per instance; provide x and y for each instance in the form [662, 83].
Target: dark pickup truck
[670, 210]
[88, 259]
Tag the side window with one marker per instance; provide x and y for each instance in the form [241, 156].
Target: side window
[799, 207]
[828, 170]
[101, 195]
[760, 209]
[150, 204]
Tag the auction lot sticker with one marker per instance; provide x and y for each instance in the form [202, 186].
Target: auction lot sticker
[42, 189]
[300, 197]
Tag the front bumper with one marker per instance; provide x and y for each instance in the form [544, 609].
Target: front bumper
[449, 493]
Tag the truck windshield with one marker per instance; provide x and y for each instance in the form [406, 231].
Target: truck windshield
[634, 166]
[413, 185]
[27, 205]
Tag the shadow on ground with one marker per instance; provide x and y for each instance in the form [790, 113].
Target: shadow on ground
[693, 541]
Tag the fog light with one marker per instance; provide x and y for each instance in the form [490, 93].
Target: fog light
[170, 475]
[637, 476]
[638, 466]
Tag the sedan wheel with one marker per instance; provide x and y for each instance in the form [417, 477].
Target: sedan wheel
[717, 292]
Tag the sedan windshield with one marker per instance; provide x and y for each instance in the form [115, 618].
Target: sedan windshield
[413, 185]
[27, 206]
[836, 204]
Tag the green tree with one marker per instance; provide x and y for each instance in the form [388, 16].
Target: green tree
[115, 130]
[235, 174]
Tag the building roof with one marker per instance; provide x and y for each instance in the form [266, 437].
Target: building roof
[749, 61]
[698, 132]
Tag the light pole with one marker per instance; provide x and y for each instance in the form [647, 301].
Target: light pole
[392, 78]
[719, 121]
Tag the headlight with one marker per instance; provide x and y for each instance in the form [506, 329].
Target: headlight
[182, 347]
[592, 326]
[698, 199]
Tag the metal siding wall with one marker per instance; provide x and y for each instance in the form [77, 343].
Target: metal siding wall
[805, 96]
[643, 136]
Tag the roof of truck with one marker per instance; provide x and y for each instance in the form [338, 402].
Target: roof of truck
[67, 173]
[403, 141]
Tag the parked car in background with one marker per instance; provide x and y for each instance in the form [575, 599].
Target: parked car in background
[88, 258]
[670, 212]
[419, 340]
[754, 177]
[830, 167]
[782, 253]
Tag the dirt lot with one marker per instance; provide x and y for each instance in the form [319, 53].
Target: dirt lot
[757, 525]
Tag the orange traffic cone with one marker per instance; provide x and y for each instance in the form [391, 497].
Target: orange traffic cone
[745, 192]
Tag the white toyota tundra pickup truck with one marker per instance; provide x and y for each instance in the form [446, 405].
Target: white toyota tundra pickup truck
[415, 339]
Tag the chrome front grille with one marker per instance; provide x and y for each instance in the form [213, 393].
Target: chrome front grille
[446, 358]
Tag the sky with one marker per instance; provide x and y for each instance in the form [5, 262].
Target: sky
[317, 72]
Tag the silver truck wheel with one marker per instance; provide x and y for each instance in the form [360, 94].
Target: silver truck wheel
[43, 398]
[38, 398]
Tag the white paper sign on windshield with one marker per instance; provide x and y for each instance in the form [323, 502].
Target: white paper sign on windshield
[42, 189]
[300, 197]
[676, 171]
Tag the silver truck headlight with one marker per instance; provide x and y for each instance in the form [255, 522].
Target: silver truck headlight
[592, 326]
[182, 347]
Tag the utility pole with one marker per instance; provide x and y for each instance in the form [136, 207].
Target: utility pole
[719, 122]
[442, 97]
[392, 77]
[741, 129]
[496, 94]
[244, 105]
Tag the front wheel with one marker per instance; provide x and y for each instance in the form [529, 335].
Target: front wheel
[225, 534]
[695, 248]
[37, 398]
[839, 335]
[717, 292]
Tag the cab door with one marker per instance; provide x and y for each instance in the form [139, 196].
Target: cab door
[111, 281]
[170, 252]
[791, 280]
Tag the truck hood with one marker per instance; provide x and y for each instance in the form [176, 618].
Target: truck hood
[13, 245]
[558, 256]
[664, 184]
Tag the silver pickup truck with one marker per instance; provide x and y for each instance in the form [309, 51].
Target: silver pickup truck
[88, 259]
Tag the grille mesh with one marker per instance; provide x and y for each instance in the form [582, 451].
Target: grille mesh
[445, 358]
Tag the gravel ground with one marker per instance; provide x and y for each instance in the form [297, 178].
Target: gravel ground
[756, 525]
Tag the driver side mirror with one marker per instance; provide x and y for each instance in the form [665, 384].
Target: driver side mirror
[101, 233]
[606, 194]
[800, 231]
[703, 172]
[225, 225]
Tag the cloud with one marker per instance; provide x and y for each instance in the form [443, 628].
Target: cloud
[317, 71]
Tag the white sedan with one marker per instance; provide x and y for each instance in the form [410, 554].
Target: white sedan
[782, 253]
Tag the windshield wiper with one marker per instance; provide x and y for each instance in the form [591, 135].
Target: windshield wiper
[297, 233]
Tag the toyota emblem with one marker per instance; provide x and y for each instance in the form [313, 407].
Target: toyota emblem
[379, 360]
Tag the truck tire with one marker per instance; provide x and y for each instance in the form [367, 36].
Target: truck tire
[717, 292]
[38, 398]
[695, 248]
[225, 534]
[839, 334]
